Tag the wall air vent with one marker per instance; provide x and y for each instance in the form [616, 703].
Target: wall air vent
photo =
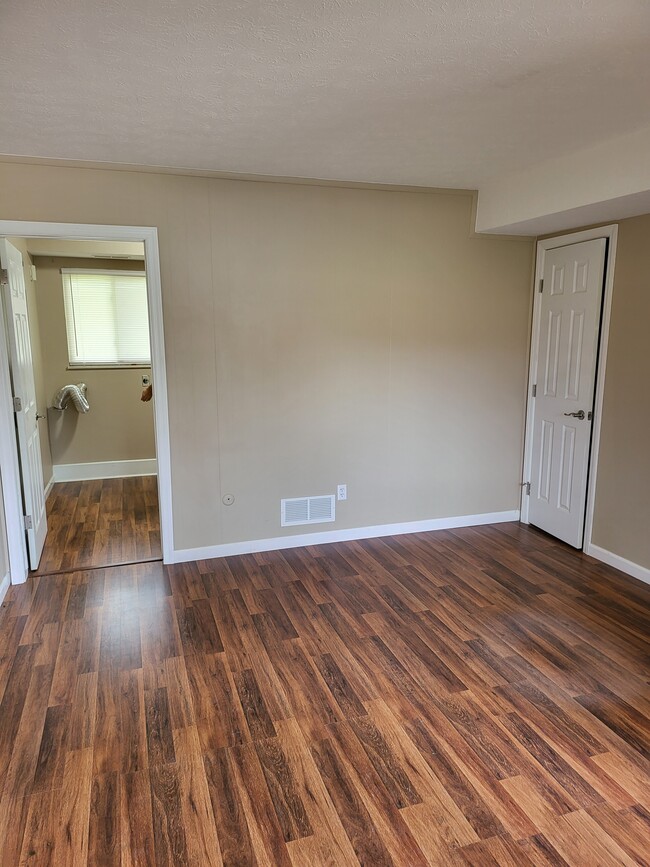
[307, 510]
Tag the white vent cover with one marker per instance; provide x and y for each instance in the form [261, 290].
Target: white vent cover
[307, 510]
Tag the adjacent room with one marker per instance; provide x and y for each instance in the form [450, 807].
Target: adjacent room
[324, 452]
[93, 492]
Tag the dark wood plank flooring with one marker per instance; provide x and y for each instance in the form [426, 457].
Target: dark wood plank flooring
[104, 522]
[476, 696]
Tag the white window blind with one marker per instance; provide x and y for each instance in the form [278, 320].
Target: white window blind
[106, 317]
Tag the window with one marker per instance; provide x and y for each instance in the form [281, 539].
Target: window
[106, 317]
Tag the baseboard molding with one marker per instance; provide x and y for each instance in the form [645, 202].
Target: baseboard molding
[618, 562]
[5, 584]
[304, 539]
[48, 487]
[104, 470]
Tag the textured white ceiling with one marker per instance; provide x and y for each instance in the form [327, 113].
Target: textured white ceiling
[432, 92]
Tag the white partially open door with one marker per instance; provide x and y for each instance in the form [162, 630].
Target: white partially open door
[564, 382]
[24, 396]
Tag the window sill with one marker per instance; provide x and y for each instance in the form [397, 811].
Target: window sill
[109, 366]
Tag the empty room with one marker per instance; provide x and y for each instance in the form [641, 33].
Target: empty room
[324, 433]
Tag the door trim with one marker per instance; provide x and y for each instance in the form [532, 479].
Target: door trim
[11, 490]
[8, 446]
[611, 234]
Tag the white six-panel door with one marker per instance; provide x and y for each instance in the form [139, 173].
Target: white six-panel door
[22, 376]
[564, 386]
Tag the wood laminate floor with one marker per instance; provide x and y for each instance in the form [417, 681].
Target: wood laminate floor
[103, 522]
[476, 696]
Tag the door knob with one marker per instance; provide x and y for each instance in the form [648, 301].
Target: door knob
[39, 416]
[580, 414]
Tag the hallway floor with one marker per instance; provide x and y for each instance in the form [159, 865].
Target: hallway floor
[104, 522]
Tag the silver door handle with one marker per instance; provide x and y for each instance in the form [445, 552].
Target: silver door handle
[580, 414]
[39, 416]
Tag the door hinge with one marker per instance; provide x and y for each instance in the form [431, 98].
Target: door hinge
[4, 276]
[527, 487]
[534, 391]
[18, 404]
[541, 285]
[29, 523]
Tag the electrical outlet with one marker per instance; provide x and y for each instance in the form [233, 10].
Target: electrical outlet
[342, 492]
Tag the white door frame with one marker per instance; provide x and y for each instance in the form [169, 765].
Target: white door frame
[8, 447]
[611, 233]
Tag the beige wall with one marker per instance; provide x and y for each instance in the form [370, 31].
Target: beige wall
[119, 427]
[37, 358]
[622, 508]
[318, 335]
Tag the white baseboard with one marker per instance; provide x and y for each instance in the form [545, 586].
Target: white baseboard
[104, 470]
[5, 584]
[618, 562]
[48, 487]
[304, 539]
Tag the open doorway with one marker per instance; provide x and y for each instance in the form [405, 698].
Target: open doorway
[85, 367]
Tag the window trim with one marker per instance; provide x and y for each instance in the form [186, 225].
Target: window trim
[115, 272]
[118, 365]
[105, 365]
